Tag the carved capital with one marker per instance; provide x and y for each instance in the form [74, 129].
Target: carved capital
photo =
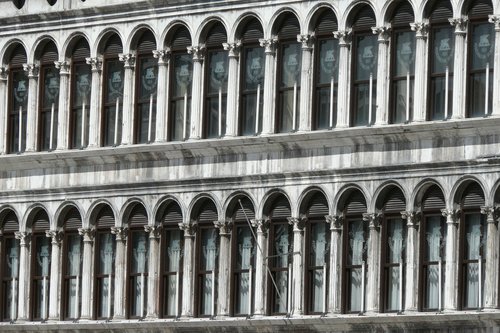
[88, 234]
[491, 213]
[224, 227]
[128, 59]
[4, 73]
[55, 235]
[383, 33]
[233, 49]
[373, 219]
[63, 67]
[163, 56]
[451, 215]
[298, 223]
[460, 24]
[344, 37]
[421, 29]
[153, 230]
[262, 225]
[269, 45]
[23, 237]
[31, 69]
[495, 19]
[336, 222]
[95, 63]
[121, 233]
[412, 218]
[198, 52]
[189, 228]
[307, 41]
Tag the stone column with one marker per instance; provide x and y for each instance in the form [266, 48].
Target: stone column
[491, 253]
[268, 118]
[495, 19]
[4, 77]
[120, 272]
[94, 139]
[306, 77]
[163, 57]
[55, 273]
[412, 259]
[382, 89]
[128, 98]
[232, 88]
[420, 99]
[373, 286]
[188, 285]
[32, 114]
[451, 269]
[297, 277]
[64, 104]
[224, 273]
[343, 102]
[24, 276]
[87, 272]
[260, 267]
[196, 130]
[152, 305]
[459, 67]
[335, 278]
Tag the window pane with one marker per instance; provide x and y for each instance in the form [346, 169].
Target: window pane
[140, 250]
[217, 89]
[475, 239]
[291, 65]
[366, 57]
[483, 42]
[146, 108]
[181, 96]
[19, 111]
[11, 266]
[356, 242]
[444, 49]
[435, 238]
[289, 100]
[107, 253]
[43, 252]
[209, 249]
[328, 60]
[405, 53]
[438, 87]
[282, 246]
[113, 100]
[477, 93]
[253, 90]
[281, 294]
[82, 86]
[354, 298]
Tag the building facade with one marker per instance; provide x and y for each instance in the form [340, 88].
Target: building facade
[249, 166]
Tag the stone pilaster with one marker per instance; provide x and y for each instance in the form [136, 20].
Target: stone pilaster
[162, 103]
[297, 301]
[495, 19]
[128, 98]
[120, 271]
[224, 273]
[420, 99]
[334, 304]
[63, 110]
[4, 77]
[459, 67]
[24, 275]
[306, 79]
[260, 267]
[88, 235]
[451, 269]
[382, 89]
[232, 89]
[55, 273]
[491, 252]
[343, 103]
[31, 117]
[412, 259]
[268, 119]
[152, 306]
[188, 268]
[198, 53]
[373, 288]
[94, 132]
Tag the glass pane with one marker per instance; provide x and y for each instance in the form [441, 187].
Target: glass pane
[245, 248]
[403, 100]
[282, 245]
[115, 76]
[320, 244]
[146, 121]
[356, 240]
[105, 295]
[206, 295]
[82, 85]
[41, 294]
[483, 42]
[180, 119]
[318, 292]
[174, 250]
[405, 53]
[20, 89]
[473, 236]
[291, 65]
[253, 89]
[324, 108]
[477, 93]
[432, 287]
[242, 285]
[396, 240]
[216, 109]
[328, 60]
[107, 253]
[209, 249]
[366, 57]
[354, 283]
[218, 72]
[438, 97]
[72, 306]
[74, 255]
[183, 69]
[170, 295]
[281, 295]
[18, 114]
[139, 291]
[289, 101]
[51, 87]
[254, 68]
[435, 237]
[148, 76]
[444, 49]
[362, 102]
[140, 251]
[43, 252]
[112, 124]
[393, 285]
[11, 266]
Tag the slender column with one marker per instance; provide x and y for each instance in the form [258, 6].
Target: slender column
[306, 77]
[4, 76]
[31, 117]
[224, 281]
[451, 269]
[268, 118]
[24, 274]
[128, 98]
[343, 103]
[297, 265]
[163, 57]
[63, 108]
[198, 53]
[188, 268]
[411, 275]
[419, 108]
[373, 288]
[153, 270]
[459, 67]
[87, 272]
[495, 19]
[382, 90]
[491, 269]
[335, 278]
[120, 271]
[260, 267]
[94, 138]
[55, 273]
[232, 89]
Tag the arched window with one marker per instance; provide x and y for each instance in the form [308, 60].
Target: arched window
[393, 250]
[207, 261]
[41, 251]
[289, 68]
[442, 52]
[481, 43]
[104, 262]
[18, 101]
[326, 72]
[172, 244]
[402, 64]
[113, 83]
[146, 86]
[317, 256]
[432, 250]
[181, 78]
[364, 73]
[49, 98]
[72, 265]
[252, 79]
[81, 87]
[243, 265]
[138, 255]
[216, 74]
[9, 268]
[279, 256]
[355, 240]
[472, 248]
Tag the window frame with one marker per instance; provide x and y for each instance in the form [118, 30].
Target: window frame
[164, 259]
[66, 278]
[139, 103]
[107, 107]
[13, 115]
[73, 110]
[44, 68]
[34, 279]
[5, 280]
[100, 277]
